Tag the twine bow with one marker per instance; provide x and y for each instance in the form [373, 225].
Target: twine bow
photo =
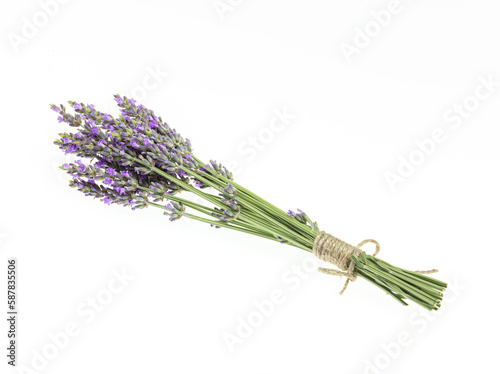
[330, 249]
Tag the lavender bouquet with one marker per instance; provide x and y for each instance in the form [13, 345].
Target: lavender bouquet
[137, 160]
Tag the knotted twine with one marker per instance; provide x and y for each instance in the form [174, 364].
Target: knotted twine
[330, 249]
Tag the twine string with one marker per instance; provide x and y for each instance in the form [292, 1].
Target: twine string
[330, 249]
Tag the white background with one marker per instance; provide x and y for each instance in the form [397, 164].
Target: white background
[221, 75]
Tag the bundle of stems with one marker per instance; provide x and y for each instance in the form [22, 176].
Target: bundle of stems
[135, 159]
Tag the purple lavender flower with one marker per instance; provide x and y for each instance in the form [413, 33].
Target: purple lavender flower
[100, 163]
[108, 200]
[176, 210]
[300, 216]
[123, 152]
[120, 190]
[229, 190]
[152, 122]
[71, 149]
